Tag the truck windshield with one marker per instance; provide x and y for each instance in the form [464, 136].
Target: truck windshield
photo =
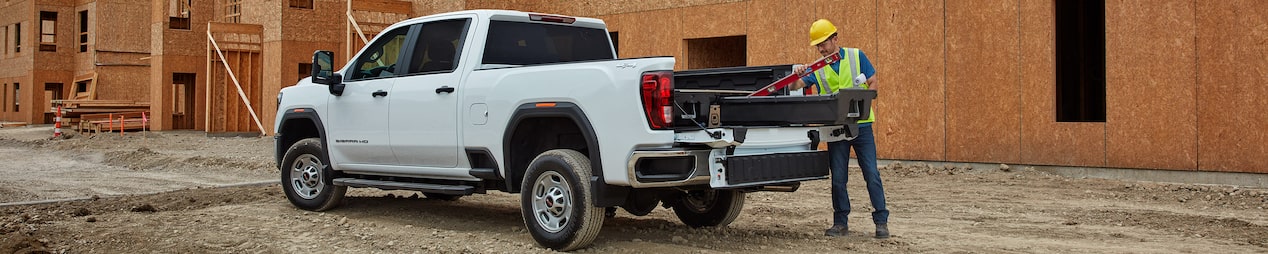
[521, 43]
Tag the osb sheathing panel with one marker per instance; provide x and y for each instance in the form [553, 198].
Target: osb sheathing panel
[122, 83]
[107, 58]
[63, 58]
[1232, 85]
[16, 64]
[84, 61]
[192, 42]
[653, 33]
[1043, 140]
[16, 13]
[594, 8]
[24, 115]
[778, 40]
[282, 72]
[910, 72]
[38, 104]
[983, 108]
[127, 28]
[519, 5]
[714, 20]
[855, 21]
[429, 7]
[325, 22]
[161, 88]
[1151, 97]
[267, 13]
[160, 109]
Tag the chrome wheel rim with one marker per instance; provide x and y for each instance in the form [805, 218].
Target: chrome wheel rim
[552, 201]
[306, 178]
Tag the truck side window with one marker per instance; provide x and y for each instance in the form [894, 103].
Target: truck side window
[438, 46]
[379, 59]
[523, 43]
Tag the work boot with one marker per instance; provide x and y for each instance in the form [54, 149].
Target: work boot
[837, 230]
[882, 231]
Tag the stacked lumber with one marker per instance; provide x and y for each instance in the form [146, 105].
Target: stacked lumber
[109, 122]
[103, 115]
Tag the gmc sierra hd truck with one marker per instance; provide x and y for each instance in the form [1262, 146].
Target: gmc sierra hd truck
[461, 103]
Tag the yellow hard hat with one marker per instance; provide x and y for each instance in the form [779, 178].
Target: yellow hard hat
[820, 31]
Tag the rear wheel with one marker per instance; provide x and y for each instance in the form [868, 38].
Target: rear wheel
[556, 201]
[306, 178]
[709, 208]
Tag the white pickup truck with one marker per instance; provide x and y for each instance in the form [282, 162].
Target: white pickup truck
[465, 102]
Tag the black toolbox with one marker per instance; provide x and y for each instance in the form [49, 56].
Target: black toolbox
[717, 97]
[845, 107]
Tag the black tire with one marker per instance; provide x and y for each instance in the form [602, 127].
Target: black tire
[564, 194]
[314, 189]
[444, 197]
[709, 208]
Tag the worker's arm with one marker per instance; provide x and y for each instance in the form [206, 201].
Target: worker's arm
[871, 82]
[800, 70]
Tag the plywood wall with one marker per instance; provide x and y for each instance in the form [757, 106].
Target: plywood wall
[1043, 140]
[1151, 91]
[910, 63]
[983, 83]
[1232, 70]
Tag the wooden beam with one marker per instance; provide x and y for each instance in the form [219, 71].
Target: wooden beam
[384, 6]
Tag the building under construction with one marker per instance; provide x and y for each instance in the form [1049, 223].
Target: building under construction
[1170, 84]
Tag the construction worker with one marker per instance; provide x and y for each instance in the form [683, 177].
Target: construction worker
[823, 36]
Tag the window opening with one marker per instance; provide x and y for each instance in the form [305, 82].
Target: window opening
[233, 11]
[716, 52]
[178, 14]
[303, 4]
[83, 31]
[1080, 61]
[48, 31]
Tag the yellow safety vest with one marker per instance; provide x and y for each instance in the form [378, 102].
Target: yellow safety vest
[836, 81]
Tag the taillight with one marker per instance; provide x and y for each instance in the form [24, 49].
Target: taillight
[551, 18]
[658, 95]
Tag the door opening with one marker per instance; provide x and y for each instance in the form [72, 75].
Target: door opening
[183, 97]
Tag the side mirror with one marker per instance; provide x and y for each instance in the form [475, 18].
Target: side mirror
[323, 72]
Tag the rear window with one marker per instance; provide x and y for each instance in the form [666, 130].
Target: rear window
[521, 43]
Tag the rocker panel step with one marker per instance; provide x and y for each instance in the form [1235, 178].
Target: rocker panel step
[389, 185]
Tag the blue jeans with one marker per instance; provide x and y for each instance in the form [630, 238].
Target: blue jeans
[839, 157]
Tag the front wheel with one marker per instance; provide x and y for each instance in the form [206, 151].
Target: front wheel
[306, 179]
[556, 201]
[709, 208]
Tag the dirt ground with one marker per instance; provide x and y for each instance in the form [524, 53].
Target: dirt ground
[155, 194]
